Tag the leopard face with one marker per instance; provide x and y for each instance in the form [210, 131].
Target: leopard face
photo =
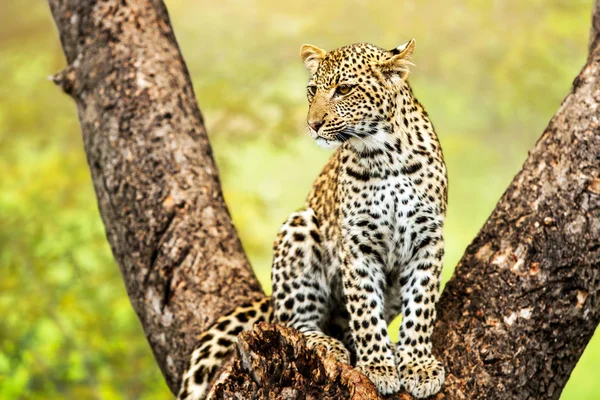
[353, 91]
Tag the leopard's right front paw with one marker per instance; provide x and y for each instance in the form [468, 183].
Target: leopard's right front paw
[333, 346]
[384, 377]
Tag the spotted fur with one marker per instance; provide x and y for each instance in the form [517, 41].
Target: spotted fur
[216, 344]
[369, 243]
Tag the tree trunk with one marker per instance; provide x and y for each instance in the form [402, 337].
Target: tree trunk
[512, 322]
[524, 300]
[155, 178]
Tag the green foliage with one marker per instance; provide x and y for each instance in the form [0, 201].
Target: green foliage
[491, 75]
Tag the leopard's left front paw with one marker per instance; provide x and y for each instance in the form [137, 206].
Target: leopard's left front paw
[421, 377]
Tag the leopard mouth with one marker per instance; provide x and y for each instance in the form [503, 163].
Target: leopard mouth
[340, 136]
[335, 138]
[332, 141]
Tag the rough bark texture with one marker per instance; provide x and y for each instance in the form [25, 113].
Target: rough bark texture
[513, 321]
[273, 362]
[525, 299]
[157, 184]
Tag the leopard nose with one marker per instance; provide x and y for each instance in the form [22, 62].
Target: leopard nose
[315, 125]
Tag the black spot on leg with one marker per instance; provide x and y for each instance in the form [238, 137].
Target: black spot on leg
[289, 304]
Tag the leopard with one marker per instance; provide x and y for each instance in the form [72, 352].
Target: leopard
[368, 245]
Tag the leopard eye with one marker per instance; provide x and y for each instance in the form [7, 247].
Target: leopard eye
[311, 90]
[343, 90]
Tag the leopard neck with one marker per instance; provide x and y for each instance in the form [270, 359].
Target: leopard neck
[408, 134]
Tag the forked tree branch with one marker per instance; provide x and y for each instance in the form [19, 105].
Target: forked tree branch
[512, 322]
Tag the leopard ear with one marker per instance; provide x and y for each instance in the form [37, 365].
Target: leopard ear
[312, 57]
[399, 60]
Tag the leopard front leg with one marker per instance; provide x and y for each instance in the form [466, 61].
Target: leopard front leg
[363, 281]
[420, 373]
[301, 295]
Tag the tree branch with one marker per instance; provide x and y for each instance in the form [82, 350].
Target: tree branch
[157, 184]
[524, 300]
[273, 362]
[512, 322]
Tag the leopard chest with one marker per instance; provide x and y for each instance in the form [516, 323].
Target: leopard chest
[383, 212]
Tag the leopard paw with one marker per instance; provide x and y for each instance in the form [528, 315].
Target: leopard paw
[384, 377]
[421, 377]
[332, 345]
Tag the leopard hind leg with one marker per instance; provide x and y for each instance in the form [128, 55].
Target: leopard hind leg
[301, 294]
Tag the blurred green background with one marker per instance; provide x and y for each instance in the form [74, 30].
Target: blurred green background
[490, 73]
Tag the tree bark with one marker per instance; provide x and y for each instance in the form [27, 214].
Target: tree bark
[524, 300]
[157, 184]
[512, 322]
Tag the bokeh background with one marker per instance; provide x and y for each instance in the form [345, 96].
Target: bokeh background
[490, 73]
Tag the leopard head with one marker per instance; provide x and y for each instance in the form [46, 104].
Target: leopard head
[353, 91]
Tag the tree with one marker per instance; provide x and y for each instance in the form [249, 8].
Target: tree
[513, 321]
